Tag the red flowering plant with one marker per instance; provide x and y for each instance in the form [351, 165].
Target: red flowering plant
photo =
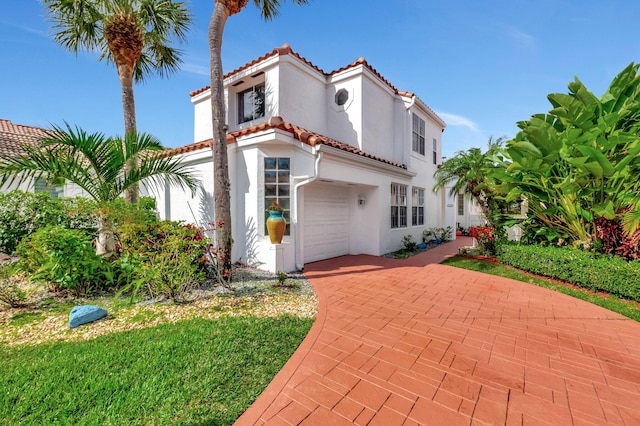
[484, 235]
[275, 207]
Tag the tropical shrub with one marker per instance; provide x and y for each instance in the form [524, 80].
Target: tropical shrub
[579, 162]
[166, 259]
[65, 259]
[594, 271]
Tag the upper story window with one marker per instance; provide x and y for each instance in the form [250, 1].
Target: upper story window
[251, 104]
[418, 133]
[435, 151]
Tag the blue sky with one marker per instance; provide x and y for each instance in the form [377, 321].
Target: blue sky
[482, 65]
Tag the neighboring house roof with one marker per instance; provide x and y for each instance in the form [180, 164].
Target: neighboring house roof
[305, 136]
[286, 50]
[12, 136]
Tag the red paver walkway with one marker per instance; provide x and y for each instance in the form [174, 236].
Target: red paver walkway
[413, 342]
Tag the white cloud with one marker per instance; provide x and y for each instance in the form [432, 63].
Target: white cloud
[26, 29]
[458, 120]
[524, 40]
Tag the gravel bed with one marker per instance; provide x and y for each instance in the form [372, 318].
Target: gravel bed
[254, 293]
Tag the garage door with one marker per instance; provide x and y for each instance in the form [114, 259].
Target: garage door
[326, 223]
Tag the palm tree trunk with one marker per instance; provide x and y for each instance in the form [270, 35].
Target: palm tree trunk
[221, 186]
[129, 108]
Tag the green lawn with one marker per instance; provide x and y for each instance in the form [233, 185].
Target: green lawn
[191, 372]
[621, 306]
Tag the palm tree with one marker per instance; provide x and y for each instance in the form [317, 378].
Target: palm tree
[133, 34]
[469, 172]
[97, 165]
[222, 9]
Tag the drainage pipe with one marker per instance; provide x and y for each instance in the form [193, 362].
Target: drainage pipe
[307, 179]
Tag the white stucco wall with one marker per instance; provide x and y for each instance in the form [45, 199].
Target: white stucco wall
[301, 95]
[378, 124]
[344, 122]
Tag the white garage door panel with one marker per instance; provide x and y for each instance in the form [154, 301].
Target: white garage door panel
[326, 223]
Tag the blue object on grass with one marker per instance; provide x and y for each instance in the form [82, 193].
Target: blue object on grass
[86, 313]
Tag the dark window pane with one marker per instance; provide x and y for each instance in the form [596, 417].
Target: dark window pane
[283, 191]
[270, 190]
[283, 177]
[270, 163]
[285, 203]
[269, 177]
[283, 163]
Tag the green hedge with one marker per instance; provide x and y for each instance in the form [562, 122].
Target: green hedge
[606, 273]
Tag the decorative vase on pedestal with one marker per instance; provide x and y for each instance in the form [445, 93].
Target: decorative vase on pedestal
[276, 225]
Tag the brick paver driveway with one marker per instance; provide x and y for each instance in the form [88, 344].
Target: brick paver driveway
[413, 342]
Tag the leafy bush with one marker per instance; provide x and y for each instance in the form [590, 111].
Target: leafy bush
[596, 272]
[438, 234]
[64, 258]
[408, 243]
[166, 259]
[11, 291]
[143, 213]
[22, 213]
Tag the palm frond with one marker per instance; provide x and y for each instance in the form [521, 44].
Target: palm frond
[95, 163]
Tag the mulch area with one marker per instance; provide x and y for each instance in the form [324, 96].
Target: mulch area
[255, 293]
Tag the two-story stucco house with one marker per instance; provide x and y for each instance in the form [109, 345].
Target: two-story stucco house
[348, 155]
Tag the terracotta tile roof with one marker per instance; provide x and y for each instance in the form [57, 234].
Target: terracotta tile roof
[305, 136]
[12, 136]
[286, 50]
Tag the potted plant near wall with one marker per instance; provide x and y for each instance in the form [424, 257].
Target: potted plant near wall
[276, 223]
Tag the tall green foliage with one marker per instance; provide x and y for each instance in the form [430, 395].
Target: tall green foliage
[579, 162]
